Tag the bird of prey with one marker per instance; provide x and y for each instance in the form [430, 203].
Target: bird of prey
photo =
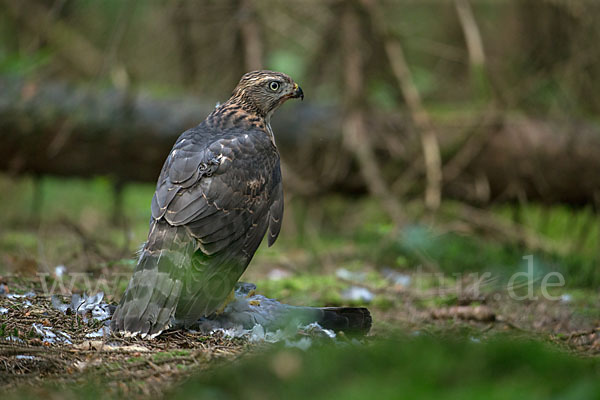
[218, 194]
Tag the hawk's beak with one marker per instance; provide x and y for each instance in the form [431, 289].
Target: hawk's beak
[298, 93]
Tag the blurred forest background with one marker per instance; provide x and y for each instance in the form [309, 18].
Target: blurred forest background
[446, 136]
[464, 120]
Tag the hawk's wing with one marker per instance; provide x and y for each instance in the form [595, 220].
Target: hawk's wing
[216, 197]
[226, 195]
[216, 189]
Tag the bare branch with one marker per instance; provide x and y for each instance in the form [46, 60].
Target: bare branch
[354, 126]
[471, 32]
[420, 118]
[251, 36]
[72, 47]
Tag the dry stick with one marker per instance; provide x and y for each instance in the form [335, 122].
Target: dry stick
[298, 184]
[253, 59]
[421, 120]
[480, 76]
[118, 72]
[87, 242]
[76, 50]
[181, 19]
[476, 140]
[477, 61]
[472, 146]
[251, 36]
[354, 125]
[72, 47]
[333, 164]
[510, 230]
[471, 32]
[431, 150]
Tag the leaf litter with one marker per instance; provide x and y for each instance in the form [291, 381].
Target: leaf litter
[68, 339]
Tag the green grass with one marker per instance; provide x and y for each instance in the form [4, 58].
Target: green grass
[349, 233]
[306, 289]
[317, 239]
[427, 367]
[423, 367]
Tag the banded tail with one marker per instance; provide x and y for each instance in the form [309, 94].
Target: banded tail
[151, 298]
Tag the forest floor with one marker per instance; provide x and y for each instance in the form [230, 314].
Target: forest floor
[428, 310]
[138, 367]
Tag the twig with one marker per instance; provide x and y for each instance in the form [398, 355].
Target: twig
[86, 242]
[471, 32]
[119, 74]
[73, 47]
[182, 22]
[419, 116]
[298, 184]
[354, 126]
[577, 334]
[472, 147]
[509, 230]
[251, 36]
[43, 353]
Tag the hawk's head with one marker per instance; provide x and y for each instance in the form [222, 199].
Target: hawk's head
[264, 91]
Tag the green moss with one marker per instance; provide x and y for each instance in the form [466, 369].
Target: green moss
[307, 290]
[383, 303]
[425, 367]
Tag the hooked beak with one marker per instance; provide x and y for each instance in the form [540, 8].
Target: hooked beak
[298, 93]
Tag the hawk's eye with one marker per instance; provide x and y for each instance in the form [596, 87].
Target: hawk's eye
[274, 86]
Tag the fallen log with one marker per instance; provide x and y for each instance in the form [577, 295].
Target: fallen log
[60, 129]
[68, 130]
[551, 161]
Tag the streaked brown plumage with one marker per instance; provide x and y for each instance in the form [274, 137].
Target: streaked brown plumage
[219, 192]
[217, 196]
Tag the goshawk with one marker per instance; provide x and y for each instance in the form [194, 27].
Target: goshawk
[218, 194]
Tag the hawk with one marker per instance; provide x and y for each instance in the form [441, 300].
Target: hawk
[218, 194]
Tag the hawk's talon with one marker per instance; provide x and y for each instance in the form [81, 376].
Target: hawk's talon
[229, 299]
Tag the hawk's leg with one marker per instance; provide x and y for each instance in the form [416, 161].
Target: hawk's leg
[229, 299]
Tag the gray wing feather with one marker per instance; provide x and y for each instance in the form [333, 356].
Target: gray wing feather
[276, 210]
[223, 195]
[216, 197]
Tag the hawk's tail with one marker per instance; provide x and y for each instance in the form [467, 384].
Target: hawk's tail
[154, 290]
[351, 320]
